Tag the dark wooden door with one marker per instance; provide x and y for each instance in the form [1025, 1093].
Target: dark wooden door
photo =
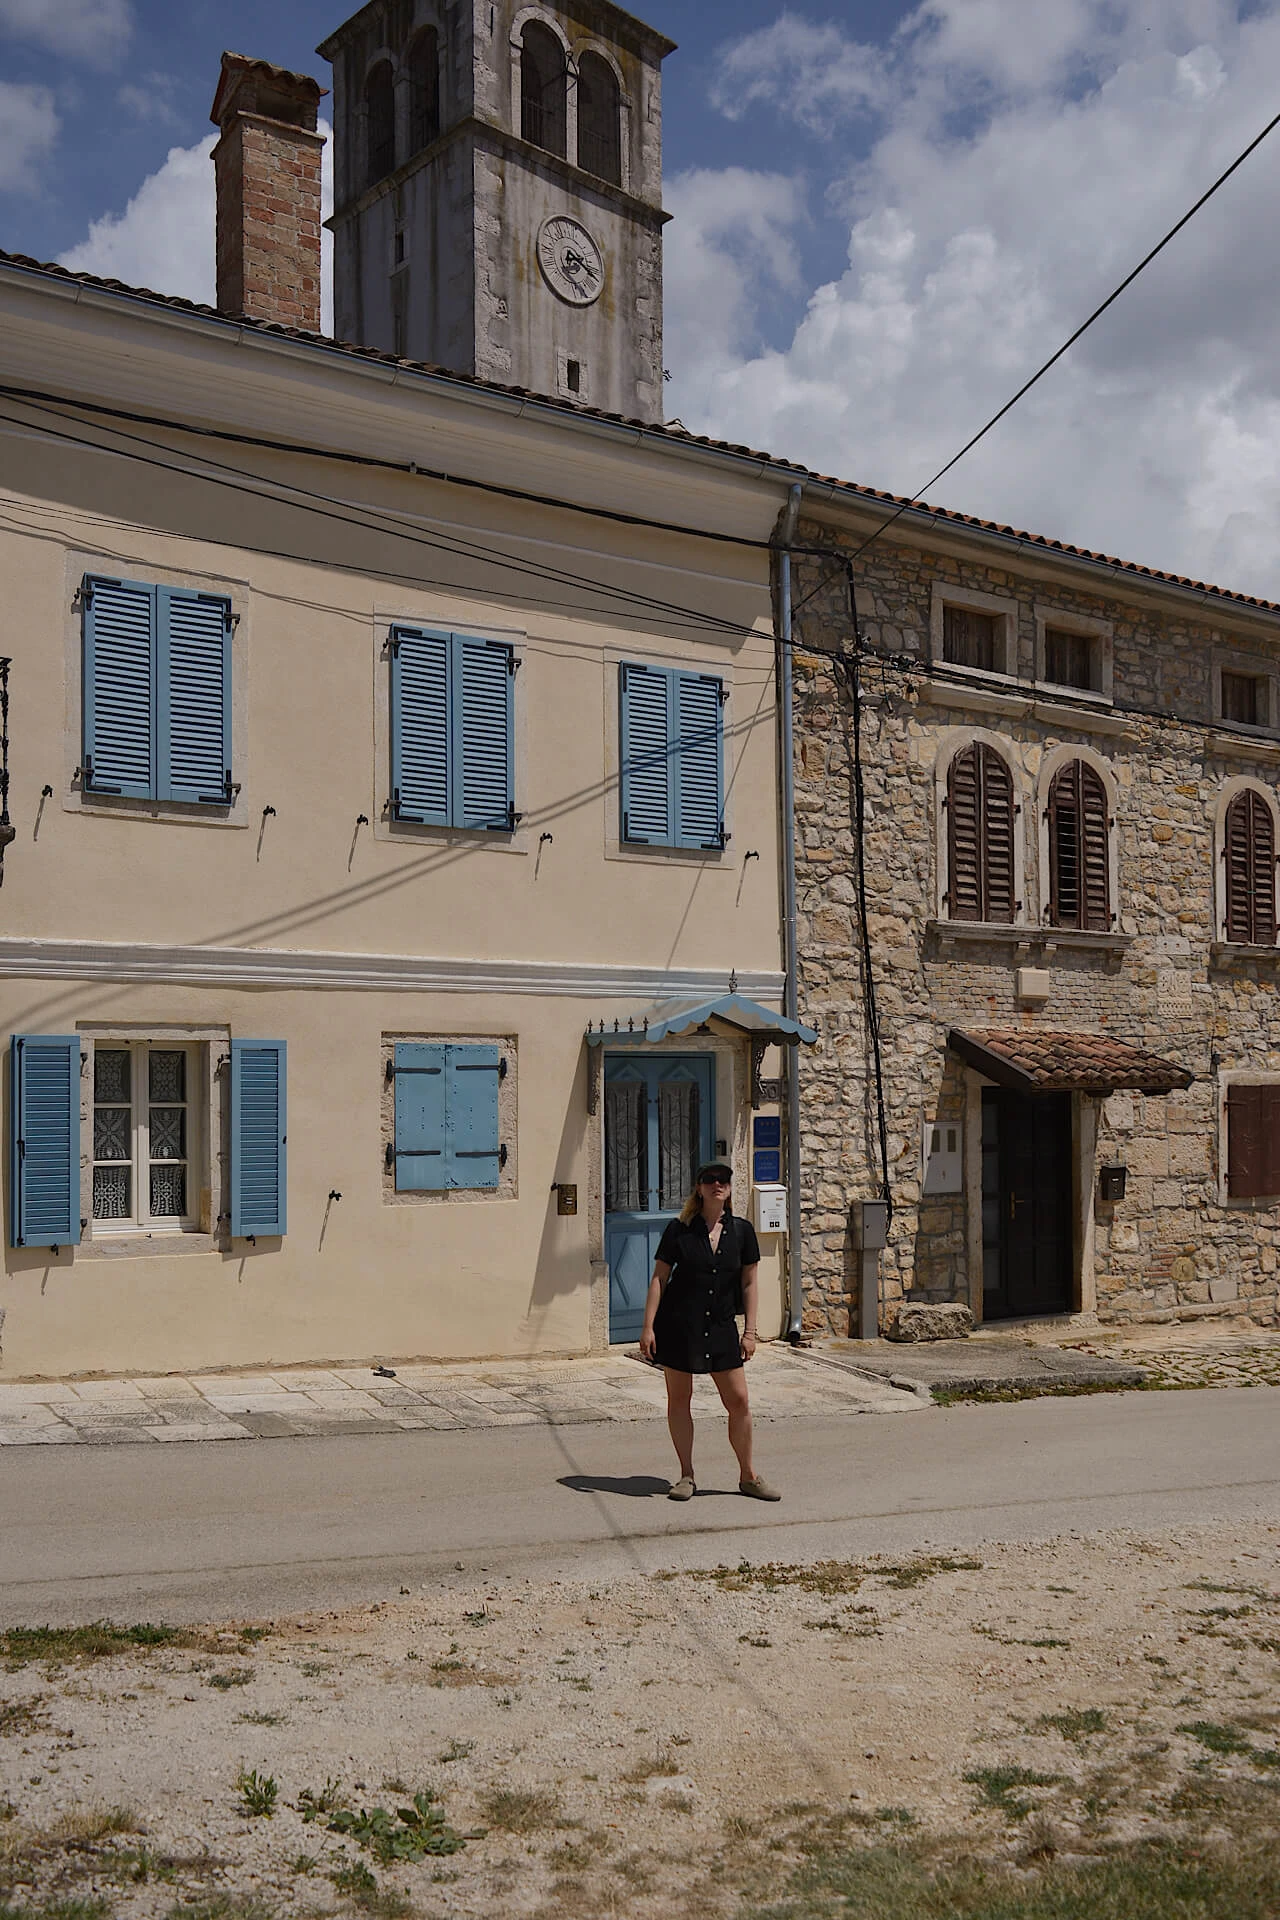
[1028, 1232]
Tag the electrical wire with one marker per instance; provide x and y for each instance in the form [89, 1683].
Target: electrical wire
[917, 498]
[408, 467]
[383, 521]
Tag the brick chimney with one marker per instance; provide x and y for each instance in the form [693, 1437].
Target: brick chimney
[267, 169]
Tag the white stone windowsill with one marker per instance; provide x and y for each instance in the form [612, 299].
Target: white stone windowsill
[1091, 715]
[1246, 743]
[1223, 951]
[951, 932]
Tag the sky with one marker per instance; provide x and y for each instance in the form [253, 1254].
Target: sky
[887, 213]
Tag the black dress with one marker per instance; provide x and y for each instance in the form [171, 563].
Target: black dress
[694, 1325]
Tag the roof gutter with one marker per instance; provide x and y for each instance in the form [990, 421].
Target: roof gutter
[787, 829]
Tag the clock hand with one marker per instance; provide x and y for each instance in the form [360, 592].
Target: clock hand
[574, 263]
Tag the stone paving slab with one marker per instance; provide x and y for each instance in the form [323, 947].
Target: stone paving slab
[294, 1402]
[977, 1364]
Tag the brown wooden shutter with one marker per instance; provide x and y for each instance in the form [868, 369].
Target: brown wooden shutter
[1269, 1135]
[1079, 849]
[999, 897]
[964, 836]
[1250, 852]
[1095, 851]
[1245, 1170]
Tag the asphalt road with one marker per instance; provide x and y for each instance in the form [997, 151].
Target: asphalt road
[208, 1531]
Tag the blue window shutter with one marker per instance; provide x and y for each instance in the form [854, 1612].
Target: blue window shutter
[44, 1133]
[119, 687]
[471, 1120]
[258, 1135]
[645, 752]
[420, 1118]
[421, 746]
[699, 761]
[484, 712]
[193, 652]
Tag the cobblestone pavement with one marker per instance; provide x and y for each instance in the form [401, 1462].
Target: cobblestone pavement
[286, 1403]
[1249, 1357]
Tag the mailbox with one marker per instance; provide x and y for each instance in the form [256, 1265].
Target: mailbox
[871, 1224]
[769, 1209]
[1111, 1183]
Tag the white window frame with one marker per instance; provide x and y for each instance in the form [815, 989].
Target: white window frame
[1100, 634]
[1005, 610]
[1250, 667]
[141, 1220]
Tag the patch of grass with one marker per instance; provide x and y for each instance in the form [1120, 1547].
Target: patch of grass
[21, 1717]
[1217, 1737]
[315, 1805]
[660, 1765]
[843, 1880]
[512, 1811]
[354, 1880]
[261, 1719]
[303, 1863]
[456, 1750]
[223, 1906]
[991, 1396]
[754, 1640]
[259, 1793]
[101, 1640]
[85, 1826]
[913, 1573]
[233, 1677]
[411, 1833]
[1010, 1640]
[1262, 1594]
[315, 1669]
[998, 1788]
[1075, 1723]
[94, 1908]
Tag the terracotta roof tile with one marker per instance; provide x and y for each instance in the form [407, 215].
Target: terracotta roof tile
[1031, 1060]
[676, 432]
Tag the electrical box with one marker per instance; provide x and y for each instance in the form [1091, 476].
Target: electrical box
[769, 1209]
[871, 1224]
[942, 1156]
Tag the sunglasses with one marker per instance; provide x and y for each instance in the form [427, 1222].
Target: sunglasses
[715, 1180]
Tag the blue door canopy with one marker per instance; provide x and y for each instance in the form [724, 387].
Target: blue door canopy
[731, 1013]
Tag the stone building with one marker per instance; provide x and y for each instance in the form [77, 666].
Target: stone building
[1068, 777]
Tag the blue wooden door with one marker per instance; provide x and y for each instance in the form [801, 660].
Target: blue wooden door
[659, 1122]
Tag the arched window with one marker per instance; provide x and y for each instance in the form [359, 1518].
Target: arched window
[1079, 849]
[380, 123]
[424, 90]
[543, 89]
[980, 815]
[1249, 855]
[599, 119]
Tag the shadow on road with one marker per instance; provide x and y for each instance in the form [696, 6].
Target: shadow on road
[636, 1486]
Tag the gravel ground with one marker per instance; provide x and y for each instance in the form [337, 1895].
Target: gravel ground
[660, 1746]
[1248, 1359]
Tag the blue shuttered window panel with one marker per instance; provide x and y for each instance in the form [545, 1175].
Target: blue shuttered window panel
[157, 692]
[446, 1117]
[452, 730]
[672, 753]
[258, 1137]
[44, 1133]
[420, 1118]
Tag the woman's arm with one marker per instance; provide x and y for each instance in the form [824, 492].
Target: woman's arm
[661, 1275]
[748, 1342]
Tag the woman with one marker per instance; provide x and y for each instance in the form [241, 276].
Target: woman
[704, 1274]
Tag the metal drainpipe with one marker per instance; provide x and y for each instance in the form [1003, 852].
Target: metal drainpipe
[791, 989]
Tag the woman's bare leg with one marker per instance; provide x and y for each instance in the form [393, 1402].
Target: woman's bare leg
[680, 1417]
[732, 1388]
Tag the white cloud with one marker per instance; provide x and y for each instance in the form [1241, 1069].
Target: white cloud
[150, 101]
[731, 237]
[813, 72]
[164, 239]
[93, 30]
[975, 248]
[28, 129]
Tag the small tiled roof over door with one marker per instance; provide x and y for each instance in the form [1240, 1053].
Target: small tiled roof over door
[1034, 1061]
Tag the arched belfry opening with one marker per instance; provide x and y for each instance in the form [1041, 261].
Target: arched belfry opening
[498, 194]
[380, 123]
[544, 89]
[599, 119]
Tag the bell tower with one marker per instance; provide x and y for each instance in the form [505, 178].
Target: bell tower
[498, 193]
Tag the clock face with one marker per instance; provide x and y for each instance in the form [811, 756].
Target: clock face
[571, 261]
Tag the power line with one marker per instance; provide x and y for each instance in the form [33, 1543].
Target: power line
[385, 522]
[917, 498]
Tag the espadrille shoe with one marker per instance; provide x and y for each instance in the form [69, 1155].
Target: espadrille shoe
[758, 1489]
[682, 1489]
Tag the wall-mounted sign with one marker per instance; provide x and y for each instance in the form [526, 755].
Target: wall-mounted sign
[766, 1168]
[766, 1130]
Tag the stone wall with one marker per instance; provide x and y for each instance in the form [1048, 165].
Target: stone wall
[1174, 1247]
